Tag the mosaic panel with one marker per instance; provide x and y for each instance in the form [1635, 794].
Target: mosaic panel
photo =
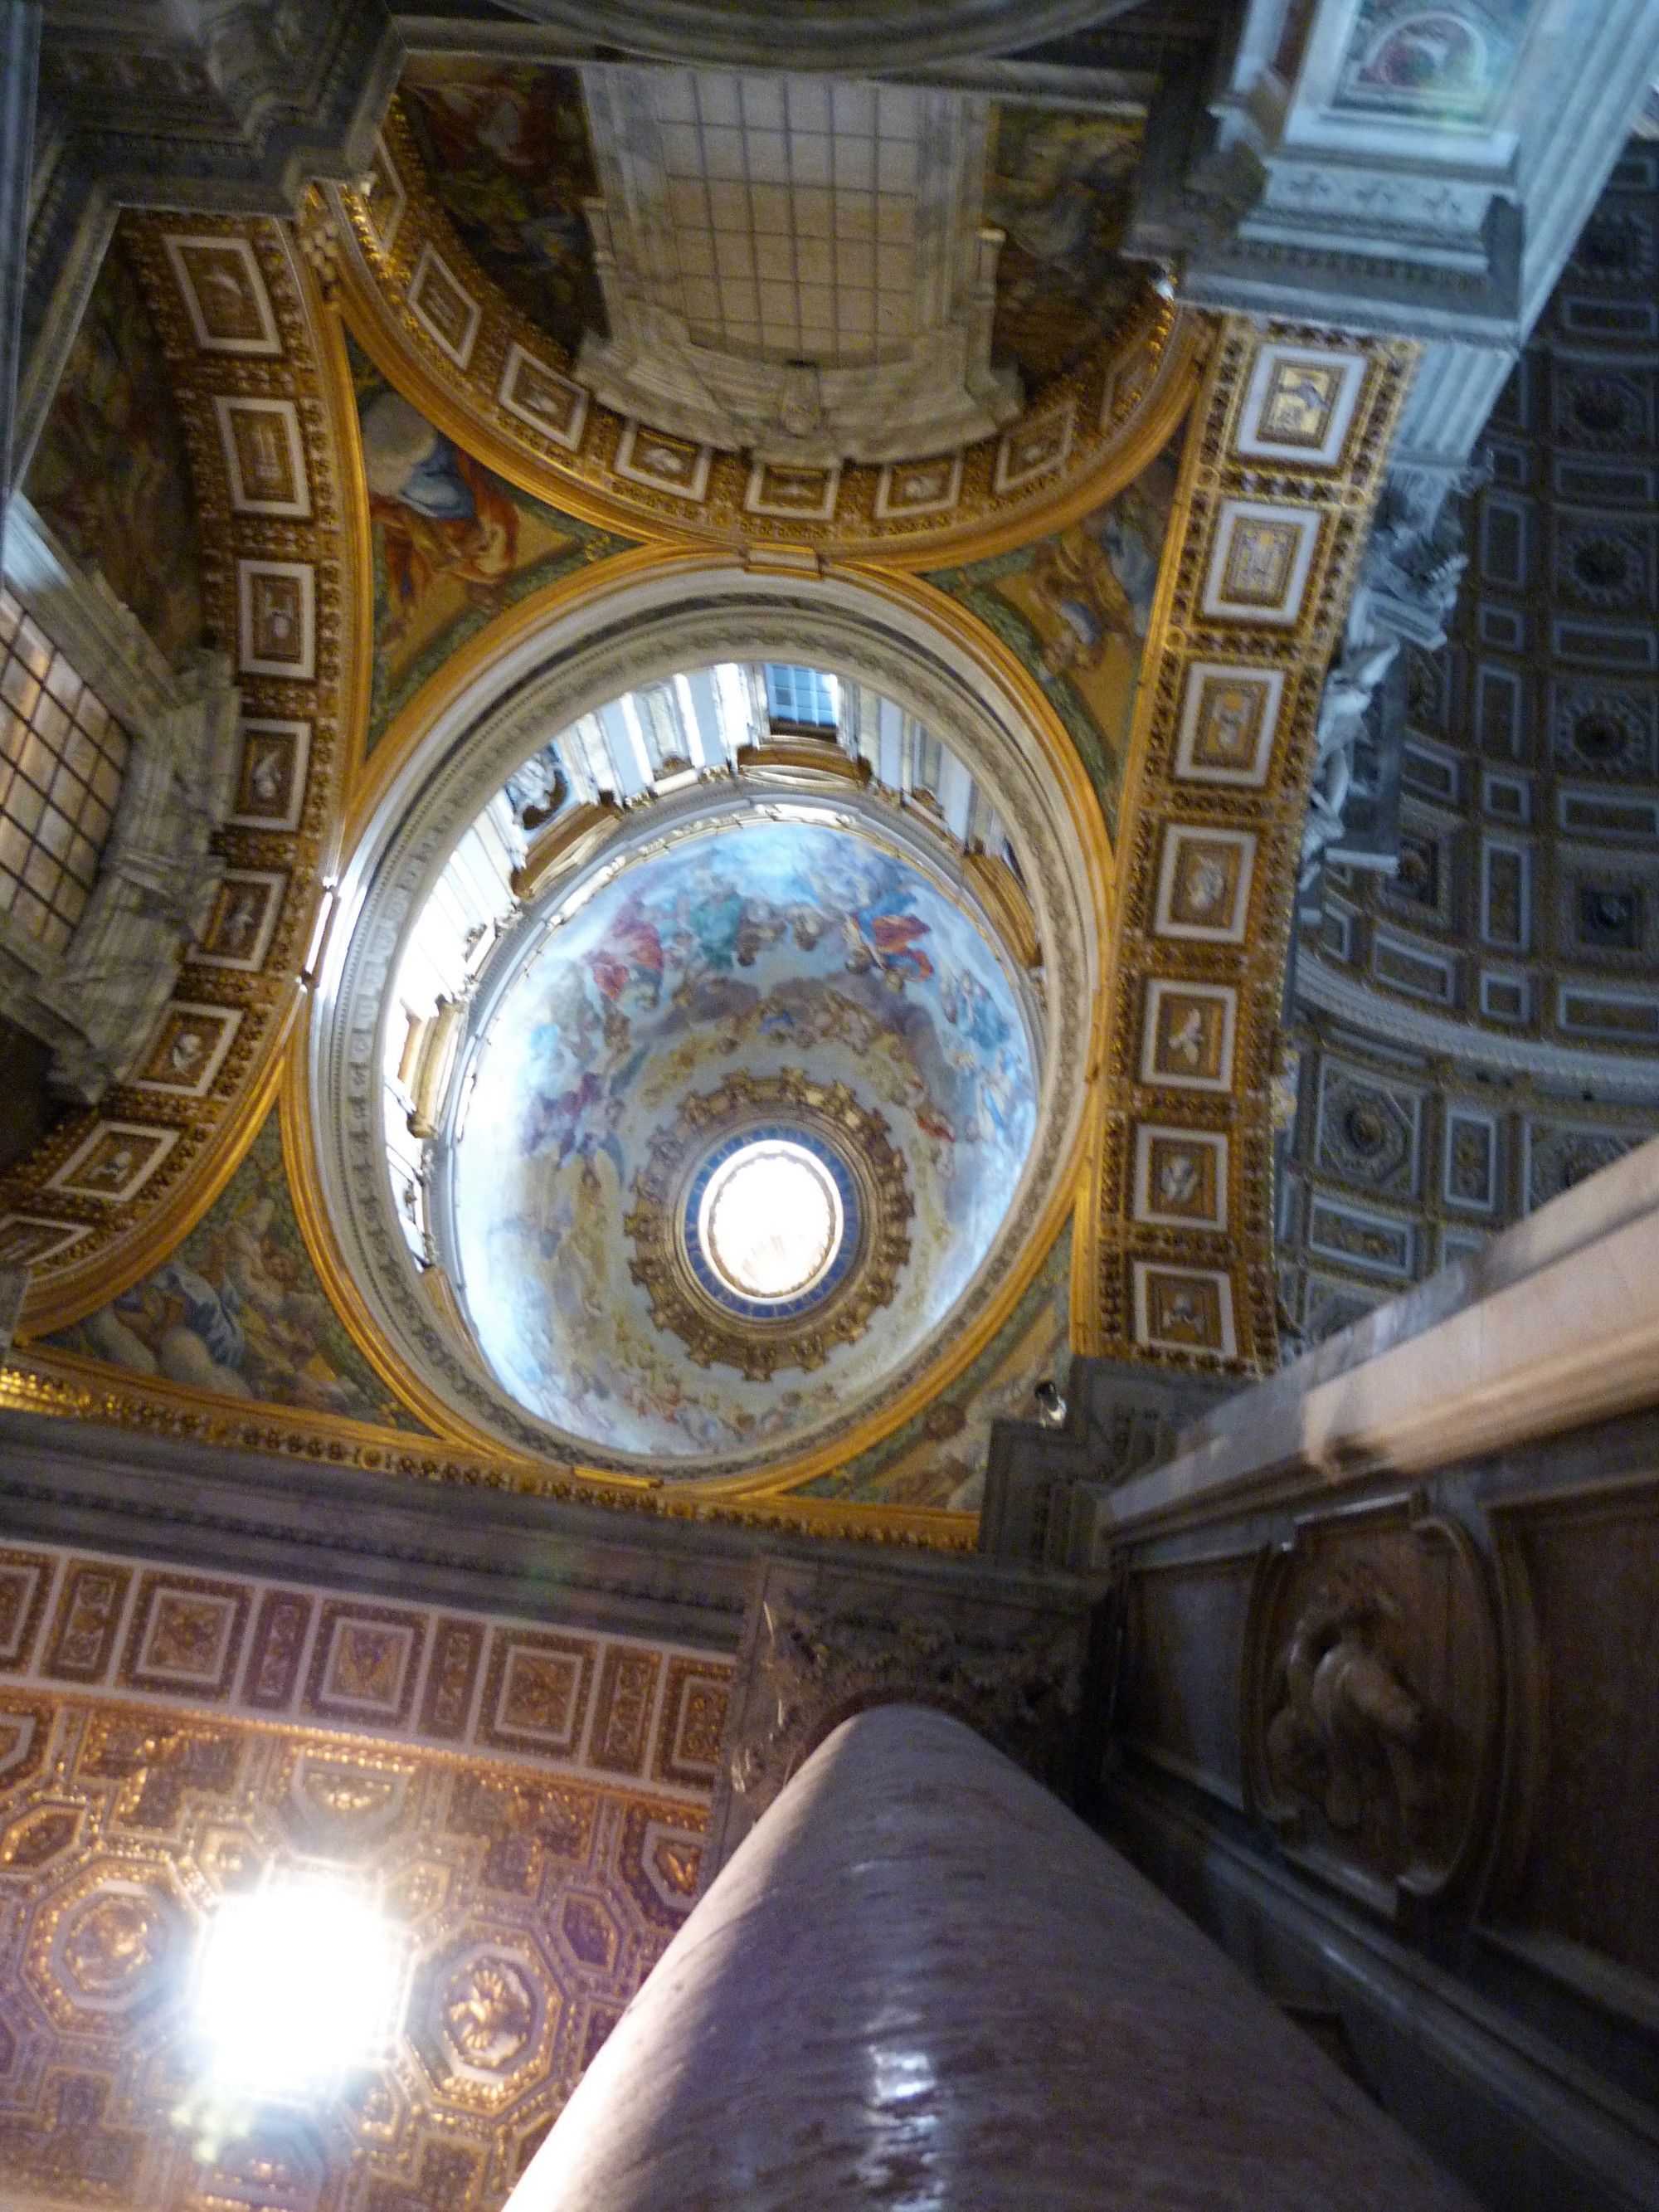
[1260, 564]
[1299, 405]
[1180, 1178]
[1184, 1310]
[1228, 719]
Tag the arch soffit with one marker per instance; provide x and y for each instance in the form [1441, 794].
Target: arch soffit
[294, 368]
[1283, 462]
[1081, 441]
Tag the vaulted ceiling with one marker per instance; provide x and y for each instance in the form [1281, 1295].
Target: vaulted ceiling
[596, 377]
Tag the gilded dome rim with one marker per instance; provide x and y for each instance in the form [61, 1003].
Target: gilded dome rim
[541, 679]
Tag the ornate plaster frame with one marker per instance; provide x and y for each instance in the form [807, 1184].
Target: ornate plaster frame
[1149, 967]
[306, 370]
[553, 663]
[659, 1221]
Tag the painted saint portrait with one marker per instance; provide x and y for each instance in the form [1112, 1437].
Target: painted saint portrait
[507, 149]
[442, 513]
[110, 475]
[453, 542]
[238, 1309]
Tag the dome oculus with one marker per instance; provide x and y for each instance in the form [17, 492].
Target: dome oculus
[771, 1221]
[802, 983]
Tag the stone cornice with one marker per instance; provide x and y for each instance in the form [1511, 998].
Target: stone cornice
[1629, 1075]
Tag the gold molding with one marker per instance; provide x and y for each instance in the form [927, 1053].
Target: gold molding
[1124, 404]
[41, 1379]
[469, 661]
[1217, 1281]
[1064, 769]
[309, 368]
[62, 1386]
[829, 1112]
[358, 532]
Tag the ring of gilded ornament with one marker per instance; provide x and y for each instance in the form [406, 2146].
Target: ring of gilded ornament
[715, 1322]
[695, 1217]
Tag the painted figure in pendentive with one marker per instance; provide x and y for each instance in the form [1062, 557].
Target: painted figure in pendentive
[442, 512]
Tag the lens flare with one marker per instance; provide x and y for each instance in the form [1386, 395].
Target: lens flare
[295, 1984]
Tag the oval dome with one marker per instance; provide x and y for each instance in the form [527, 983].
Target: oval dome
[717, 887]
[799, 1002]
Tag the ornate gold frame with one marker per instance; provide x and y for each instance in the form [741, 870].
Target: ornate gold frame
[39, 1380]
[215, 1132]
[1232, 1262]
[655, 1223]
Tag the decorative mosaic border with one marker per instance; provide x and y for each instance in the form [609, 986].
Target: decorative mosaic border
[1283, 464]
[258, 406]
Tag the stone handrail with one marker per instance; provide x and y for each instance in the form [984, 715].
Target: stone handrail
[1554, 1325]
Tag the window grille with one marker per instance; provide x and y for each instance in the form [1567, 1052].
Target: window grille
[801, 698]
[62, 761]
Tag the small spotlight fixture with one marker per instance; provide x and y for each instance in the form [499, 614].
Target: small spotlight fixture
[1051, 1407]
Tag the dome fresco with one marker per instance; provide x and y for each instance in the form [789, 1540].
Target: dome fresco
[757, 948]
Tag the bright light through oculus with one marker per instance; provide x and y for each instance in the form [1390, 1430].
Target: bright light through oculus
[770, 1220]
[296, 1984]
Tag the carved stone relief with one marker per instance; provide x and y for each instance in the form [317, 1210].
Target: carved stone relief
[1371, 1700]
[1408, 581]
[245, 109]
[1368, 1131]
[824, 1643]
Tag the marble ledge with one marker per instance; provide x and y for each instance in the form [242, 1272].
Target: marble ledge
[1555, 1325]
